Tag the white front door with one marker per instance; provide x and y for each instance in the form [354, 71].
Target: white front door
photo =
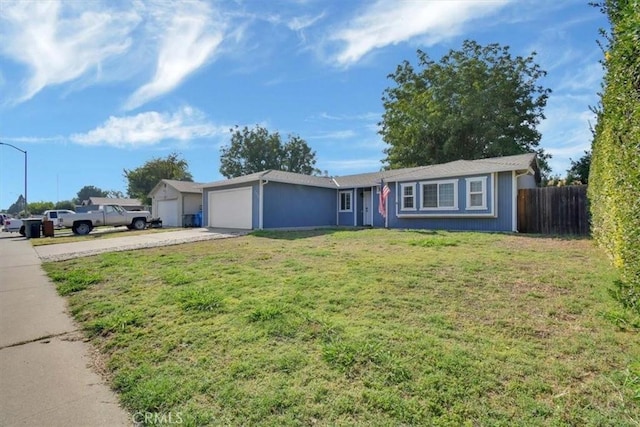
[367, 214]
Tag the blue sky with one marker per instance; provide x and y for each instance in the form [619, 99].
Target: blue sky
[89, 88]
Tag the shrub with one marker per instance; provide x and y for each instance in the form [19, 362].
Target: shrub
[614, 189]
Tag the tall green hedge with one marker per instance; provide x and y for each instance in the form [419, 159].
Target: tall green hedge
[614, 179]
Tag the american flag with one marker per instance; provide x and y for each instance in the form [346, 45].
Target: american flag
[382, 205]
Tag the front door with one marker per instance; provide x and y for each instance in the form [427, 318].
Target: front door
[367, 213]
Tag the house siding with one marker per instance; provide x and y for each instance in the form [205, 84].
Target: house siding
[289, 206]
[431, 220]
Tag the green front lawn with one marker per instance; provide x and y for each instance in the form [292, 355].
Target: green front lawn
[369, 327]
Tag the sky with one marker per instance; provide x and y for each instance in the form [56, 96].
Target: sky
[90, 88]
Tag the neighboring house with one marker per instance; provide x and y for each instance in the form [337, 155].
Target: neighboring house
[171, 200]
[460, 195]
[94, 202]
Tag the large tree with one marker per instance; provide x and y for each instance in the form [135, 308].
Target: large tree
[474, 103]
[579, 170]
[256, 150]
[142, 179]
[89, 191]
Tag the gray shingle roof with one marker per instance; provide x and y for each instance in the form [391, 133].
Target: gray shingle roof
[184, 186]
[275, 176]
[112, 201]
[521, 162]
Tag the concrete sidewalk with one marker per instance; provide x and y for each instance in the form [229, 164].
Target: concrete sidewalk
[45, 378]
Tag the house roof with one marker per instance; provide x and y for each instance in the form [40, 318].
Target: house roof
[275, 176]
[520, 163]
[180, 186]
[112, 201]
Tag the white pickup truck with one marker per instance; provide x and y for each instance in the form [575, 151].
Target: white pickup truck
[113, 215]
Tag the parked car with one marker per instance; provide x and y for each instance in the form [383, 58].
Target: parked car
[113, 215]
[3, 217]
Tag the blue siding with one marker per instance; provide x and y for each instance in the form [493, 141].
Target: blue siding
[345, 219]
[287, 205]
[503, 222]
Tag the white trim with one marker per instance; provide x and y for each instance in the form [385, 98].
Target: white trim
[460, 215]
[260, 207]
[350, 193]
[355, 207]
[483, 180]
[411, 185]
[438, 183]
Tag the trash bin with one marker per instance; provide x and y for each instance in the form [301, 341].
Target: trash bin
[198, 222]
[187, 220]
[47, 229]
[32, 228]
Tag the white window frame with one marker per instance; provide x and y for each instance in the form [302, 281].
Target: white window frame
[350, 193]
[411, 185]
[439, 183]
[483, 180]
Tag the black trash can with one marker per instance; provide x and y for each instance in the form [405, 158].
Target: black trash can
[32, 228]
[188, 220]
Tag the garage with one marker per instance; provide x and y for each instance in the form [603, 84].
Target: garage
[231, 208]
[168, 211]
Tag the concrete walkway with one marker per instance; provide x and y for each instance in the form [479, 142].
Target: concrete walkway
[45, 374]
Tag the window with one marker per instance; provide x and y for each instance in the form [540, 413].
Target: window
[345, 201]
[440, 194]
[477, 193]
[408, 197]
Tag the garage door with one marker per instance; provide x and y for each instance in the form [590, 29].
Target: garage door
[168, 211]
[230, 208]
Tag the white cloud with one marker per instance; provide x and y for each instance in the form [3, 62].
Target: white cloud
[389, 22]
[189, 39]
[60, 44]
[338, 134]
[150, 128]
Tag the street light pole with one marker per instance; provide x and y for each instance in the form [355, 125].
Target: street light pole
[25, 173]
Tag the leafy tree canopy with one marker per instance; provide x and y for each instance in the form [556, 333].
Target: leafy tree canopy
[17, 206]
[474, 103]
[579, 170]
[89, 191]
[38, 208]
[65, 204]
[142, 180]
[256, 150]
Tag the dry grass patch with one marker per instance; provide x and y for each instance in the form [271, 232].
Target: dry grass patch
[377, 327]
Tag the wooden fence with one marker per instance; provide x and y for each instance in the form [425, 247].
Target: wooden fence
[554, 210]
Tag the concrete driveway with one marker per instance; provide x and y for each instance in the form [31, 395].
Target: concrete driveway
[63, 251]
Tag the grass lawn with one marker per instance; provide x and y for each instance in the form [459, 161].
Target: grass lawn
[369, 327]
[65, 235]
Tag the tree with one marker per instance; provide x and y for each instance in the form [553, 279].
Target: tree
[475, 103]
[38, 208]
[256, 150]
[89, 191]
[18, 206]
[579, 170]
[142, 180]
[614, 184]
[65, 204]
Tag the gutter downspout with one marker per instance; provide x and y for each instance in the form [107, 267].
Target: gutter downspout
[261, 202]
